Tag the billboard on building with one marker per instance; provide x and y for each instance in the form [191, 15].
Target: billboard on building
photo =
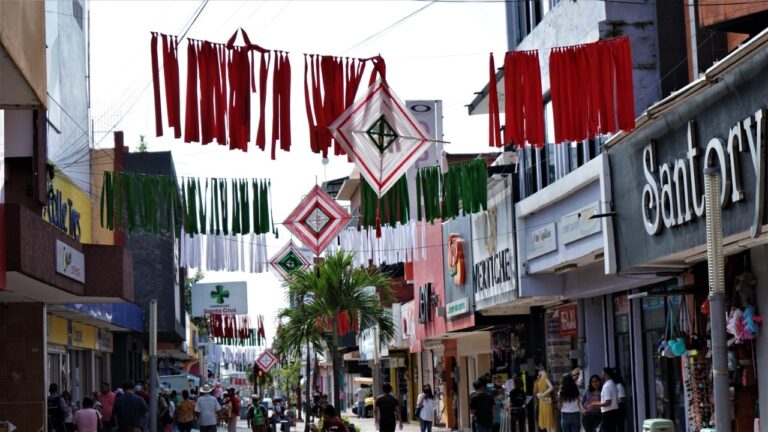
[226, 298]
[458, 267]
[494, 277]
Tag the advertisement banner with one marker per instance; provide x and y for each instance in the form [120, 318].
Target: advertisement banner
[83, 336]
[458, 268]
[494, 276]
[70, 262]
[229, 298]
[569, 321]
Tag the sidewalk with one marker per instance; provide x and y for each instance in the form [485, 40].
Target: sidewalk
[365, 425]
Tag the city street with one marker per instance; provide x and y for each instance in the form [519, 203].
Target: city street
[365, 425]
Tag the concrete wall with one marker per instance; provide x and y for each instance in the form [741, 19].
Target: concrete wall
[22, 37]
[23, 365]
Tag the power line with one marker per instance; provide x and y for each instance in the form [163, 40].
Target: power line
[389, 27]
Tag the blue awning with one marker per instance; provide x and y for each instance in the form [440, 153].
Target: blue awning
[125, 315]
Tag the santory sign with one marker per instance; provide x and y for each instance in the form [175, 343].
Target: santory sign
[674, 194]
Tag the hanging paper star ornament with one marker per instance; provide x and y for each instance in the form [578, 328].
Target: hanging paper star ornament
[380, 136]
[288, 260]
[317, 220]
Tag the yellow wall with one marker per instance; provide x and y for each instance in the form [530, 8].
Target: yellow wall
[101, 160]
[75, 219]
[57, 330]
[83, 336]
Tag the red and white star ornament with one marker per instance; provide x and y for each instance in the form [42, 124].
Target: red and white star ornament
[288, 260]
[380, 136]
[317, 220]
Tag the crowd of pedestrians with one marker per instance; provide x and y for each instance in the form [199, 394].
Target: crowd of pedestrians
[127, 410]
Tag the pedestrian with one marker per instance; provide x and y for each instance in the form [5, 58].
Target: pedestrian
[591, 417]
[57, 409]
[569, 403]
[106, 398]
[517, 398]
[482, 406]
[621, 391]
[425, 408]
[387, 411]
[184, 414]
[234, 410]
[609, 402]
[131, 411]
[361, 394]
[163, 411]
[331, 423]
[498, 398]
[257, 416]
[141, 391]
[543, 389]
[206, 410]
[87, 419]
[69, 411]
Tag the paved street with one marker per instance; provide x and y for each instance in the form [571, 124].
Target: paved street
[365, 425]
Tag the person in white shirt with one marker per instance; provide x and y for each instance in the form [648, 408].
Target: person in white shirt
[425, 404]
[609, 402]
[361, 394]
[569, 403]
[206, 408]
[621, 391]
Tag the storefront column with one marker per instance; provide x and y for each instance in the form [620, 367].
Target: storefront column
[759, 256]
[22, 365]
[463, 393]
[594, 335]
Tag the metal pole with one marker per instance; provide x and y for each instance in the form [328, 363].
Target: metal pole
[715, 262]
[153, 365]
[307, 390]
[376, 363]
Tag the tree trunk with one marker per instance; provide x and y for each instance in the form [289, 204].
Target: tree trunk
[336, 365]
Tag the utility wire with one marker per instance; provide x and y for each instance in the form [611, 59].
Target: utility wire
[389, 27]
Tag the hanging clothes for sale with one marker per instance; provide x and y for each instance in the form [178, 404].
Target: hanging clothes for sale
[591, 88]
[330, 86]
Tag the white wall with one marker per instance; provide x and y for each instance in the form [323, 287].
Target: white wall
[478, 343]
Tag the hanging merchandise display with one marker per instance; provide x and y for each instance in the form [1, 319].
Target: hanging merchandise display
[317, 220]
[220, 81]
[592, 89]
[288, 260]
[330, 87]
[233, 253]
[462, 190]
[380, 136]
[523, 105]
[399, 243]
[218, 206]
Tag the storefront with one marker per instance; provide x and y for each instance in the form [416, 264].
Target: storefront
[719, 121]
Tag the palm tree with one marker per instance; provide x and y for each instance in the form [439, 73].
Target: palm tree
[336, 288]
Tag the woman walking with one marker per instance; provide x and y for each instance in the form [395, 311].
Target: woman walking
[591, 418]
[425, 406]
[569, 402]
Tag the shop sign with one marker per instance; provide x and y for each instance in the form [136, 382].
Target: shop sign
[57, 330]
[83, 336]
[227, 298]
[673, 194]
[494, 279]
[458, 273]
[104, 340]
[70, 262]
[578, 225]
[541, 241]
[569, 322]
[68, 208]
[459, 307]
[425, 303]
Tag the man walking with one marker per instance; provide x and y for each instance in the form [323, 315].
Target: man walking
[387, 411]
[234, 412]
[483, 408]
[361, 394]
[106, 398]
[206, 409]
[130, 411]
[57, 409]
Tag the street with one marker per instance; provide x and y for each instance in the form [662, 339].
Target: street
[365, 425]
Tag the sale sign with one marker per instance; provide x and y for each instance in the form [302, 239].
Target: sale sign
[569, 321]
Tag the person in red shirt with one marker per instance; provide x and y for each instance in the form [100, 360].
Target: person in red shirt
[234, 413]
[331, 423]
[106, 398]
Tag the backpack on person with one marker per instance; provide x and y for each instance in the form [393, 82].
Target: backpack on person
[257, 415]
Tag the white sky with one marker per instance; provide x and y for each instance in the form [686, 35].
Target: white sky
[439, 53]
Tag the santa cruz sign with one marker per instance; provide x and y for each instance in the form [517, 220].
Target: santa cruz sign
[673, 194]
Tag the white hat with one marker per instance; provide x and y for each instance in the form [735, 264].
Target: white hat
[205, 389]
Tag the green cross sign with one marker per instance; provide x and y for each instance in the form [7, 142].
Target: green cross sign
[382, 134]
[219, 294]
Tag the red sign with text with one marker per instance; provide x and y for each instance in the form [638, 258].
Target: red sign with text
[569, 321]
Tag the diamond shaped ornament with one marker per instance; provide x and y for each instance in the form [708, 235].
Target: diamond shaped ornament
[380, 136]
[317, 220]
[288, 260]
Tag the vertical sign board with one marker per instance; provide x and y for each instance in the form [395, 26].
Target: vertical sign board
[70, 262]
[569, 322]
[493, 250]
[458, 268]
[226, 298]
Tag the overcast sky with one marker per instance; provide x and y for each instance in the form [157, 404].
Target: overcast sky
[441, 52]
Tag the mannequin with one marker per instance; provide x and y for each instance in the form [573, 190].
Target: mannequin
[543, 390]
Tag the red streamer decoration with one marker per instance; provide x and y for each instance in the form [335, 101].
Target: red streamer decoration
[330, 86]
[592, 89]
[494, 124]
[523, 106]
